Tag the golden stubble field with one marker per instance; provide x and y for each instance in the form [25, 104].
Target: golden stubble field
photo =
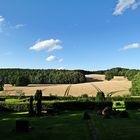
[117, 86]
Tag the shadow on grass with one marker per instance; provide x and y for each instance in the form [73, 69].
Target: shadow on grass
[68, 125]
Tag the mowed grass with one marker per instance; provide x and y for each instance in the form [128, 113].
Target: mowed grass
[118, 128]
[65, 126]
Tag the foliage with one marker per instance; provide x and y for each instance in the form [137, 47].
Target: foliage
[135, 90]
[130, 74]
[108, 75]
[31, 108]
[22, 81]
[100, 97]
[1, 84]
[38, 95]
[132, 105]
[39, 102]
[57, 105]
[50, 76]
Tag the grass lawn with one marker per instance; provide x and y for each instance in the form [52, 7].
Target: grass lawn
[118, 128]
[66, 126]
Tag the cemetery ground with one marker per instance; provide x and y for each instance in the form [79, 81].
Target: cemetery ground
[70, 125]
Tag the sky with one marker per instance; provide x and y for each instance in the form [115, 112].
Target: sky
[69, 34]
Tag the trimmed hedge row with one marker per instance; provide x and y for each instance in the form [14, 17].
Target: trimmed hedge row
[132, 105]
[63, 105]
[14, 106]
[66, 105]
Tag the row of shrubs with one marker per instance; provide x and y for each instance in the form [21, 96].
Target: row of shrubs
[58, 105]
[82, 97]
[66, 105]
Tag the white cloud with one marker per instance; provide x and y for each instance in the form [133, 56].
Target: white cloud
[51, 58]
[122, 5]
[131, 46]
[49, 45]
[18, 26]
[60, 60]
[1, 22]
[61, 68]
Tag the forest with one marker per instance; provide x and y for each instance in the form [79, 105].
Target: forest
[23, 77]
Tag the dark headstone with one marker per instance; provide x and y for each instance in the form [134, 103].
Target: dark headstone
[86, 116]
[22, 126]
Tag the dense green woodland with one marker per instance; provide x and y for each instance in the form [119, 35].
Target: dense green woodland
[129, 73]
[23, 77]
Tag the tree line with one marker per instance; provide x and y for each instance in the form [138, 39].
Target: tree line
[23, 77]
[128, 73]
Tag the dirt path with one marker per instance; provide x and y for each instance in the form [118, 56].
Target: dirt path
[92, 130]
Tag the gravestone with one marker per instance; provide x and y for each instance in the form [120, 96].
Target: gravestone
[22, 126]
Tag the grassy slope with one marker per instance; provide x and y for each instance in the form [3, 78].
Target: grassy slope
[118, 128]
[67, 126]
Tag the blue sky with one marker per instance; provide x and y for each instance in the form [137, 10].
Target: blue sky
[69, 34]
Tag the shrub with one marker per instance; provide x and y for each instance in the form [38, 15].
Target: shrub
[39, 107]
[1, 85]
[100, 97]
[136, 85]
[38, 98]
[132, 105]
[38, 95]
[57, 105]
[31, 108]
[109, 75]
[22, 81]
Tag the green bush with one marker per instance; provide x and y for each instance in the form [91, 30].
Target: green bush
[108, 75]
[1, 84]
[22, 81]
[100, 97]
[58, 105]
[31, 108]
[38, 95]
[135, 90]
[132, 105]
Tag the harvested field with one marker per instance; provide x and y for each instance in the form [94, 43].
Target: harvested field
[95, 77]
[115, 86]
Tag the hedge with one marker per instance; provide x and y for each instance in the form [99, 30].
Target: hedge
[132, 105]
[58, 105]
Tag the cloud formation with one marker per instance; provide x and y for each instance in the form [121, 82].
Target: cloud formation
[1, 22]
[60, 60]
[131, 46]
[49, 45]
[122, 5]
[18, 26]
[52, 58]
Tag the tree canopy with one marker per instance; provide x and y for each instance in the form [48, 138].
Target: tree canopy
[135, 90]
[23, 77]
